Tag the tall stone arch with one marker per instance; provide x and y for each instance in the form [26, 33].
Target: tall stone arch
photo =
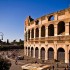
[28, 51]
[32, 33]
[37, 32]
[50, 53]
[43, 31]
[51, 30]
[32, 51]
[61, 54]
[36, 52]
[42, 53]
[61, 28]
[28, 34]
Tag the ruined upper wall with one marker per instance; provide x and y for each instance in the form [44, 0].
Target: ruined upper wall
[59, 15]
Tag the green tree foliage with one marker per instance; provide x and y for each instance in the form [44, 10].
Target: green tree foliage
[4, 64]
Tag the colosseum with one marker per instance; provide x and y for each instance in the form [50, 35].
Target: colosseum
[48, 37]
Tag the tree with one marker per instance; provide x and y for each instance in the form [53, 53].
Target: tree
[7, 41]
[4, 64]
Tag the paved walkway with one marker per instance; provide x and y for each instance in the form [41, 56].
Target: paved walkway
[14, 66]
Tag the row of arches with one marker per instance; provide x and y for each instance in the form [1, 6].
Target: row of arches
[60, 30]
[60, 53]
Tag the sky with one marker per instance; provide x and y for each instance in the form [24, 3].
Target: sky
[14, 12]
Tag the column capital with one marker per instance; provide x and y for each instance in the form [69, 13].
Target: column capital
[67, 23]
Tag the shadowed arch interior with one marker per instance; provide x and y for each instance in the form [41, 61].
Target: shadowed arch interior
[43, 31]
[32, 50]
[28, 34]
[32, 33]
[37, 32]
[36, 52]
[42, 53]
[61, 54]
[69, 56]
[51, 30]
[50, 53]
[61, 28]
[28, 51]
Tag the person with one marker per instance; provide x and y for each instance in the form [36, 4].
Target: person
[16, 61]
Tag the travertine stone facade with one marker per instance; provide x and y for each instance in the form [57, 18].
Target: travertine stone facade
[48, 37]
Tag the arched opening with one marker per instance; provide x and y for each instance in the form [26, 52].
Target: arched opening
[36, 52]
[69, 28]
[51, 18]
[37, 22]
[42, 53]
[51, 30]
[32, 51]
[69, 56]
[61, 54]
[43, 31]
[32, 33]
[50, 54]
[61, 28]
[37, 32]
[28, 51]
[28, 34]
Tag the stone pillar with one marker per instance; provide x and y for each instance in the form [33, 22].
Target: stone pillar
[34, 53]
[39, 53]
[46, 54]
[67, 28]
[34, 33]
[66, 55]
[30, 52]
[24, 50]
[30, 34]
[27, 51]
[55, 30]
[39, 32]
[55, 52]
[46, 31]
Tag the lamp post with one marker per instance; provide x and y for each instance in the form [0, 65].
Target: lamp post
[1, 34]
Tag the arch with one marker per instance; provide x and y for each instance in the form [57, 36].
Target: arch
[51, 18]
[69, 56]
[28, 51]
[36, 52]
[42, 53]
[32, 50]
[69, 28]
[61, 54]
[50, 53]
[28, 34]
[61, 28]
[32, 33]
[37, 32]
[37, 22]
[43, 31]
[51, 30]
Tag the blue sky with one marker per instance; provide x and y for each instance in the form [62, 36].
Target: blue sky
[14, 12]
